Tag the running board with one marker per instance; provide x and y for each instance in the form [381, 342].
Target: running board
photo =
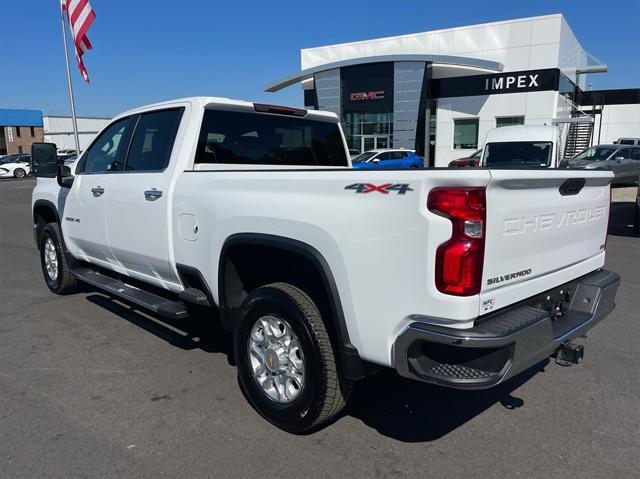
[157, 304]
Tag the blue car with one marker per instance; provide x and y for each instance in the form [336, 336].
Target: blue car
[388, 159]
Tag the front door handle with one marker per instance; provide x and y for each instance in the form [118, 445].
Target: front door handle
[152, 194]
[97, 191]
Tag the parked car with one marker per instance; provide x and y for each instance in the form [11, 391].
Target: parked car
[628, 141]
[15, 166]
[624, 161]
[323, 273]
[471, 161]
[521, 146]
[388, 158]
[66, 152]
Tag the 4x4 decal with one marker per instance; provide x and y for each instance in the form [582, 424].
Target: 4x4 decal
[385, 189]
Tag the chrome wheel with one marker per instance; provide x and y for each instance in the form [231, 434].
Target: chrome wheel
[51, 259]
[276, 359]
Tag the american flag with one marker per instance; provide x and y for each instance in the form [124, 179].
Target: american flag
[81, 16]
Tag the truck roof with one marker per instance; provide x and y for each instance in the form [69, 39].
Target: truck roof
[213, 101]
[522, 133]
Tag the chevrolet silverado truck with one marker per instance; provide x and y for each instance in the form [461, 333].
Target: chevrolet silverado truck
[325, 273]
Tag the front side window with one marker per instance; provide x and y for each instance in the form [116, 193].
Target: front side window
[244, 138]
[465, 133]
[153, 140]
[361, 158]
[109, 150]
[624, 153]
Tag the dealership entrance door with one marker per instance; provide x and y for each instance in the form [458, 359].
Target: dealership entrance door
[371, 142]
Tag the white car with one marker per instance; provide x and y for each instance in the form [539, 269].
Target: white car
[325, 273]
[15, 166]
[65, 152]
[521, 146]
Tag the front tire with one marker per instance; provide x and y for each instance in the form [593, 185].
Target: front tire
[55, 266]
[286, 364]
[19, 173]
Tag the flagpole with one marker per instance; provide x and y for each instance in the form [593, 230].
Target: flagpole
[69, 84]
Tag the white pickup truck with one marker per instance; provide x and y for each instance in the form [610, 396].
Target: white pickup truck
[324, 273]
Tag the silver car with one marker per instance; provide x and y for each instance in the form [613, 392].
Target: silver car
[624, 161]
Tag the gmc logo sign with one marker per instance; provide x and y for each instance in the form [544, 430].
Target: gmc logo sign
[371, 95]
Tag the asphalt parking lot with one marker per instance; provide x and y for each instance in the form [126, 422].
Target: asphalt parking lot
[91, 388]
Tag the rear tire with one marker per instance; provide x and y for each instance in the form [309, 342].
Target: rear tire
[19, 173]
[305, 389]
[54, 261]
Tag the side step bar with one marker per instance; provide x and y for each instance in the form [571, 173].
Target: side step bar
[157, 304]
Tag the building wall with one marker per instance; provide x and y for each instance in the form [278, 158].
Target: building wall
[616, 121]
[21, 144]
[59, 130]
[407, 88]
[520, 44]
[327, 85]
[538, 108]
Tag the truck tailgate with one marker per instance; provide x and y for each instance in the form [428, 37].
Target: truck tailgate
[548, 223]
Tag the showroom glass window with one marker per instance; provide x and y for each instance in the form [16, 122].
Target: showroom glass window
[509, 121]
[465, 134]
[153, 140]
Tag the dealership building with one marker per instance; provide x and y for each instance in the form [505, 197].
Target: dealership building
[440, 92]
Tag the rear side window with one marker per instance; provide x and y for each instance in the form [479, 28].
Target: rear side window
[153, 140]
[108, 151]
[240, 138]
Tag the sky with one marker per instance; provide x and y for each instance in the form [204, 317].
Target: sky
[152, 50]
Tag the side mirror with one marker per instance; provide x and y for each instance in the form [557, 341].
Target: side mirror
[563, 164]
[619, 158]
[65, 178]
[44, 160]
[375, 160]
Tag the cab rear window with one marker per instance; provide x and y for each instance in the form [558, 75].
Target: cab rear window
[244, 138]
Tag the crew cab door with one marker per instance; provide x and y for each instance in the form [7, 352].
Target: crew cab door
[137, 220]
[90, 197]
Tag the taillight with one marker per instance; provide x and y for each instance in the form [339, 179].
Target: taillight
[459, 260]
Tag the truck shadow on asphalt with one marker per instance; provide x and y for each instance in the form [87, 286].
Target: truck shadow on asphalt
[403, 409]
[202, 330]
[411, 411]
[623, 219]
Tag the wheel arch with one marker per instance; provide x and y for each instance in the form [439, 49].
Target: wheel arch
[44, 211]
[231, 292]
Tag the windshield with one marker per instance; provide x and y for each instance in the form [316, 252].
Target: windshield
[518, 154]
[9, 159]
[364, 157]
[595, 153]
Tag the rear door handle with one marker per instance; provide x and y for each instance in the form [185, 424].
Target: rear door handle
[97, 191]
[152, 194]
